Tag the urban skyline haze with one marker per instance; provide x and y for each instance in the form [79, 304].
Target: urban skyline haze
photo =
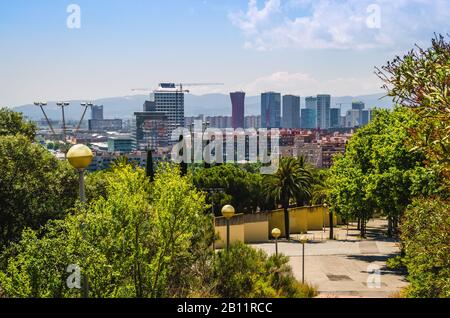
[294, 47]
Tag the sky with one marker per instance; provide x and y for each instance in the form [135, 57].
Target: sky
[302, 47]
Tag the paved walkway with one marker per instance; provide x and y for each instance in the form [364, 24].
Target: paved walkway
[348, 266]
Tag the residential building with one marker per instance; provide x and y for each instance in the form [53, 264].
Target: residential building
[253, 122]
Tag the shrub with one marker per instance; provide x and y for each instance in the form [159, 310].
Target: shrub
[426, 244]
[244, 272]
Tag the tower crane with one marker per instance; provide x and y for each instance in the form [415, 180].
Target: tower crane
[181, 86]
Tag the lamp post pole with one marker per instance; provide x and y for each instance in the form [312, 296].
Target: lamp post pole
[81, 184]
[83, 201]
[228, 235]
[228, 212]
[303, 241]
[276, 233]
[80, 157]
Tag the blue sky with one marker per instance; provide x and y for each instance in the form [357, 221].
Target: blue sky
[294, 46]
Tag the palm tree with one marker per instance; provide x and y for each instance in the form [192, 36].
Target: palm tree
[307, 180]
[320, 188]
[290, 182]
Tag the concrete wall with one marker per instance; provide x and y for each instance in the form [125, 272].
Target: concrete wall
[257, 228]
[316, 215]
[298, 219]
[236, 230]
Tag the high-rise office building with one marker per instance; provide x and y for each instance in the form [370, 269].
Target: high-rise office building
[311, 102]
[238, 109]
[271, 110]
[335, 117]
[170, 101]
[365, 117]
[353, 118]
[97, 112]
[323, 111]
[151, 129]
[291, 112]
[308, 119]
[358, 105]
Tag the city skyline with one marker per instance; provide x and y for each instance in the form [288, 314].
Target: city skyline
[42, 58]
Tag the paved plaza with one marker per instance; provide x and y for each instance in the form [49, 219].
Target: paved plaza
[348, 266]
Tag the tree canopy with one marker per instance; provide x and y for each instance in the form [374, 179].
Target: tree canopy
[13, 123]
[34, 187]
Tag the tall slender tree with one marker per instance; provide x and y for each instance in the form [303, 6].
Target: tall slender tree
[149, 167]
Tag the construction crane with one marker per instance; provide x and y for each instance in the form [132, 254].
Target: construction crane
[181, 87]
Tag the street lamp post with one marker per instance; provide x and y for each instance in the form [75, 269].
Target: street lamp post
[63, 105]
[276, 233]
[303, 241]
[80, 157]
[228, 212]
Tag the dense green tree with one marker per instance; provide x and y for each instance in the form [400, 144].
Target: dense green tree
[231, 184]
[13, 123]
[420, 80]
[376, 172]
[34, 187]
[149, 167]
[290, 182]
[141, 240]
[425, 234]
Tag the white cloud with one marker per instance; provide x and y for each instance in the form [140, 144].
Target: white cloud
[329, 24]
[305, 84]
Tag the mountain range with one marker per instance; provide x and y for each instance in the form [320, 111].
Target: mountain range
[208, 105]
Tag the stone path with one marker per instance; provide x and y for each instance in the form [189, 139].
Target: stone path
[347, 267]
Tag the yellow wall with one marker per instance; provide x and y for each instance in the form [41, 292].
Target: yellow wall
[256, 232]
[315, 218]
[276, 220]
[236, 235]
[257, 228]
[298, 220]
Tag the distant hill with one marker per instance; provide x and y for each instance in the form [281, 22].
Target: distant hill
[209, 105]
